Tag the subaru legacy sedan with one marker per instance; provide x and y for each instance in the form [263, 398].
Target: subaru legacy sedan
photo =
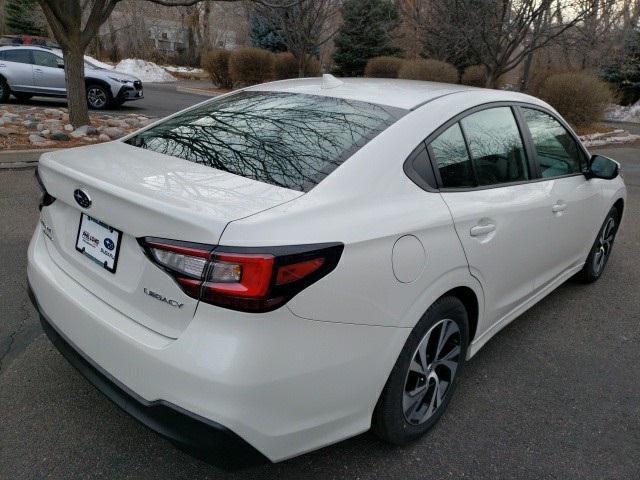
[283, 267]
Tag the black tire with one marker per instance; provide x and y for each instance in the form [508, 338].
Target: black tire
[601, 249]
[4, 90]
[23, 97]
[99, 97]
[391, 422]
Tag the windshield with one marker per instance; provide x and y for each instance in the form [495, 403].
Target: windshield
[284, 139]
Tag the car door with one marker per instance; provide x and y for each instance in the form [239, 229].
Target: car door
[16, 67]
[498, 208]
[573, 199]
[48, 72]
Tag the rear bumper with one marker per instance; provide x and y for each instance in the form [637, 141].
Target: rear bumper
[279, 383]
[200, 437]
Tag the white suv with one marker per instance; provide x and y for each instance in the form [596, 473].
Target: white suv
[289, 265]
[27, 71]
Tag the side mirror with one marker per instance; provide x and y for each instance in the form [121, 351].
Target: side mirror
[602, 167]
[60, 63]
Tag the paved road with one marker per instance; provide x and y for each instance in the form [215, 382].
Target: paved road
[160, 100]
[555, 395]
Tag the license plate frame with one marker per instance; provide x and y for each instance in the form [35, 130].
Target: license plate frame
[94, 245]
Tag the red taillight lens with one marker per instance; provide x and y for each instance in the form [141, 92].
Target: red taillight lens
[297, 271]
[247, 279]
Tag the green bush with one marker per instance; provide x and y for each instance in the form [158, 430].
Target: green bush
[216, 64]
[383, 67]
[580, 97]
[474, 76]
[248, 66]
[431, 70]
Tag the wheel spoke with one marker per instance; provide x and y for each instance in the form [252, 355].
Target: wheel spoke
[448, 328]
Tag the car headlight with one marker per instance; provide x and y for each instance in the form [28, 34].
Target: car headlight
[121, 80]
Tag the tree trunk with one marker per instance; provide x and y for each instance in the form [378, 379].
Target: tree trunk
[491, 78]
[526, 71]
[76, 88]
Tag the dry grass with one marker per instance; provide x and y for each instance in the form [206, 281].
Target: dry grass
[474, 76]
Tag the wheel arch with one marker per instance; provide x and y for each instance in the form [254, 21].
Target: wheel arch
[97, 81]
[470, 301]
[619, 204]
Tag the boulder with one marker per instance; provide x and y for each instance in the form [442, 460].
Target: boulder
[104, 137]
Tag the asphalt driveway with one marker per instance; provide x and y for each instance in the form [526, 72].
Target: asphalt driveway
[555, 395]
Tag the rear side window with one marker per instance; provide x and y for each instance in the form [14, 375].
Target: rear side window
[450, 153]
[284, 139]
[496, 147]
[557, 152]
[18, 56]
[45, 59]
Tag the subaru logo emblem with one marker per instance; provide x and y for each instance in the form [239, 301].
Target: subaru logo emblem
[82, 198]
[108, 243]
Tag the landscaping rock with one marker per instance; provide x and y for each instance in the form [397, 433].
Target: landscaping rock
[115, 122]
[60, 136]
[40, 127]
[5, 132]
[104, 137]
[51, 122]
[68, 127]
[78, 133]
[36, 139]
[45, 133]
[65, 117]
[87, 130]
[53, 113]
[114, 132]
[30, 124]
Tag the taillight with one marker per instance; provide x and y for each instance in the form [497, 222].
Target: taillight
[46, 199]
[243, 278]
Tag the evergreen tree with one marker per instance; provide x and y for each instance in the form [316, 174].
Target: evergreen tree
[21, 17]
[263, 34]
[365, 33]
[624, 70]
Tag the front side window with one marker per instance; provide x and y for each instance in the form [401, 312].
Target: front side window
[557, 152]
[18, 56]
[284, 139]
[495, 146]
[450, 153]
[45, 59]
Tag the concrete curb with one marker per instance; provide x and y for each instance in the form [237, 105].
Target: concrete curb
[197, 91]
[22, 158]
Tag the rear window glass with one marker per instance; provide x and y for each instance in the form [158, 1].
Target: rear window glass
[284, 139]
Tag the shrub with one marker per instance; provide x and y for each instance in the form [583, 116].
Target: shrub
[475, 76]
[432, 70]
[580, 97]
[383, 67]
[248, 66]
[216, 64]
[286, 66]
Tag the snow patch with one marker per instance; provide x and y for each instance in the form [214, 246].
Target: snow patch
[174, 69]
[616, 136]
[145, 71]
[618, 113]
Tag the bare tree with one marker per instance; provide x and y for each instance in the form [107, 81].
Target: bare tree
[500, 34]
[74, 24]
[304, 27]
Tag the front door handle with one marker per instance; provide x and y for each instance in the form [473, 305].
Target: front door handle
[480, 230]
[559, 207]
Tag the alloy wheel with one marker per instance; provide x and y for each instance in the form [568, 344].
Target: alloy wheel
[431, 372]
[97, 97]
[603, 248]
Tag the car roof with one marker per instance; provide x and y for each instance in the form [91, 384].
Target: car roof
[406, 94]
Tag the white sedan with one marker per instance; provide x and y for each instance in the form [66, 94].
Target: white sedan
[289, 265]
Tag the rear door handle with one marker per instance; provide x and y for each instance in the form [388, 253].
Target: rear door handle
[480, 230]
[559, 207]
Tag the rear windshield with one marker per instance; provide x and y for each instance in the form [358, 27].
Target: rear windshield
[285, 139]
